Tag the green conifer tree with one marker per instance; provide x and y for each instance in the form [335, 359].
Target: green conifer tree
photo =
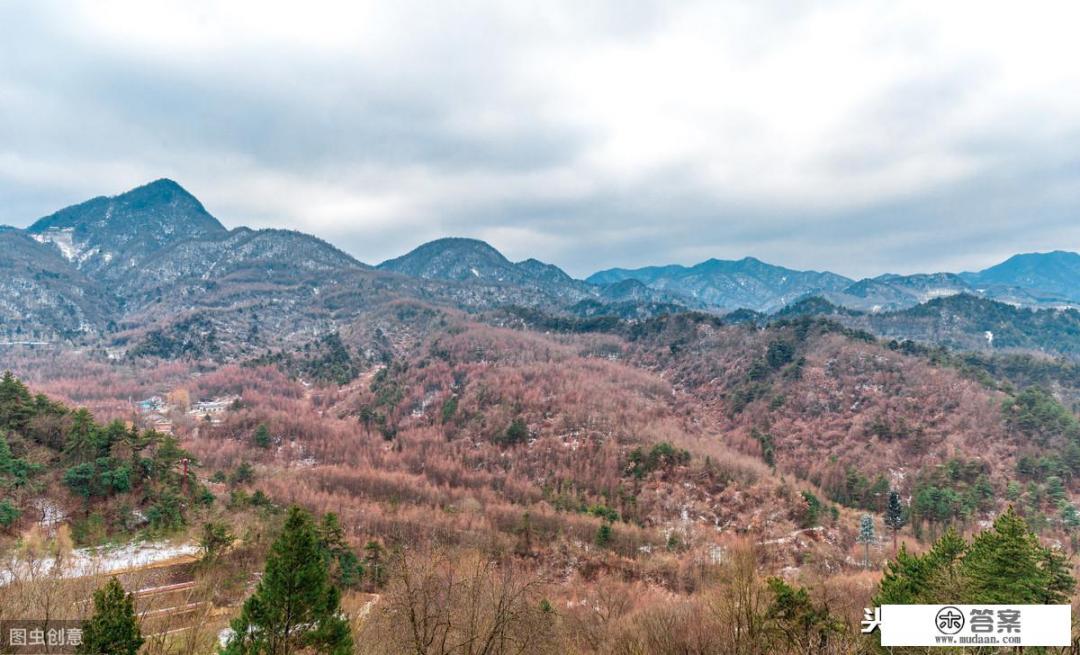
[604, 535]
[895, 516]
[9, 513]
[215, 538]
[1070, 518]
[866, 536]
[344, 566]
[82, 441]
[113, 628]
[15, 409]
[798, 621]
[1005, 564]
[262, 436]
[374, 554]
[1055, 490]
[7, 460]
[906, 580]
[1060, 583]
[295, 607]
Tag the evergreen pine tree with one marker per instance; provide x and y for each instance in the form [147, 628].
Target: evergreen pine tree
[801, 623]
[1013, 491]
[294, 607]
[866, 535]
[113, 628]
[1005, 564]
[895, 516]
[262, 436]
[1055, 489]
[82, 441]
[374, 554]
[518, 432]
[15, 409]
[344, 565]
[603, 535]
[1060, 583]
[934, 577]
[243, 474]
[906, 580]
[7, 460]
[944, 563]
[9, 513]
[215, 538]
[1070, 518]
[812, 515]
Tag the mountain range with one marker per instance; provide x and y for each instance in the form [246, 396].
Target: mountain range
[1035, 280]
[748, 283]
[153, 261]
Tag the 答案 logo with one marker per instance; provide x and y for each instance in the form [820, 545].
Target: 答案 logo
[949, 620]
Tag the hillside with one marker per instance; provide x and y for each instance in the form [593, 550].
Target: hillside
[894, 292]
[745, 284]
[103, 480]
[586, 453]
[966, 322]
[1052, 275]
[843, 411]
[42, 298]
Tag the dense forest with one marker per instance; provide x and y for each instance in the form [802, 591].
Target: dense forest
[124, 479]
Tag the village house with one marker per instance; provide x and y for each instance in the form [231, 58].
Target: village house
[153, 404]
[158, 423]
[212, 410]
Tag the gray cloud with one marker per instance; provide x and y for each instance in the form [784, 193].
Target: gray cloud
[851, 136]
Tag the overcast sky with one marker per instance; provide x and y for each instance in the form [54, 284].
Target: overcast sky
[862, 137]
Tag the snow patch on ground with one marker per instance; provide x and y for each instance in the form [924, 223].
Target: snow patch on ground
[95, 561]
[930, 294]
[62, 239]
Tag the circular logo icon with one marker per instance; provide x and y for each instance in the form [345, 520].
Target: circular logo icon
[949, 620]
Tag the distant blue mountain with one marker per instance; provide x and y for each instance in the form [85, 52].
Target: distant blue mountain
[1037, 279]
[746, 283]
[1052, 274]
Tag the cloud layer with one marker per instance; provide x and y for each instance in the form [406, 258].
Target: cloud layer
[862, 137]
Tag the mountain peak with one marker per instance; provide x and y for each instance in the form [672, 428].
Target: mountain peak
[1037, 258]
[452, 258]
[1051, 274]
[747, 283]
[466, 260]
[157, 201]
[160, 184]
[161, 187]
[463, 245]
[134, 224]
